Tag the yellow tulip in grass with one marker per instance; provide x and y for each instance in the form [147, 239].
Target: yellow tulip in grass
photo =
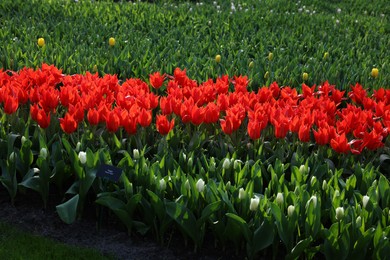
[305, 76]
[41, 42]
[270, 56]
[218, 58]
[111, 41]
[251, 64]
[374, 72]
[266, 75]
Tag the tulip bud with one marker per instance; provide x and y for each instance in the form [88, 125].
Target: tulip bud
[227, 186]
[241, 193]
[312, 199]
[290, 210]
[218, 58]
[189, 162]
[336, 193]
[212, 165]
[251, 64]
[374, 72]
[326, 55]
[82, 157]
[339, 213]
[374, 183]
[266, 75]
[200, 185]
[236, 164]
[226, 164]
[24, 139]
[95, 68]
[12, 157]
[254, 203]
[313, 180]
[43, 153]
[365, 200]
[279, 198]
[184, 157]
[305, 76]
[111, 41]
[358, 222]
[163, 184]
[41, 42]
[324, 185]
[270, 56]
[136, 154]
[187, 185]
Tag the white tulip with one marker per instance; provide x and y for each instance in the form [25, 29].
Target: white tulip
[200, 185]
[82, 157]
[365, 200]
[43, 153]
[339, 213]
[254, 203]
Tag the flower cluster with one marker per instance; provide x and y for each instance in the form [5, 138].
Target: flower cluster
[348, 122]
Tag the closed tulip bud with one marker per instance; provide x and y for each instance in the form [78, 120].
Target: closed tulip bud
[365, 200]
[136, 154]
[374, 183]
[82, 157]
[336, 193]
[279, 198]
[313, 180]
[111, 41]
[212, 166]
[95, 68]
[184, 156]
[270, 56]
[266, 75]
[187, 185]
[163, 184]
[189, 162]
[236, 164]
[218, 58]
[241, 193]
[374, 72]
[290, 210]
[24, 139]
[43, 153]
[254, 205]
[41, 42]
[228, 185]
[358, 222]
[78, 146]
[200, 185]
[324, 185]
[305, 76]
[226, 164]
[326, 55]
[312, 199]
[339, 213]
[12, 157]
[251, 64]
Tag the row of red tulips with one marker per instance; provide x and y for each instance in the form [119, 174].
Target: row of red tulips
[348, 122]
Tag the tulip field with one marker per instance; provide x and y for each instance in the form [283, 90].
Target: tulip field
[213, 121]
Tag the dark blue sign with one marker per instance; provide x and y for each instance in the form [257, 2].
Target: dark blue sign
[109, 172]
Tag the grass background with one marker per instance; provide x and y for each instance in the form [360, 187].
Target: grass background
[162, 35]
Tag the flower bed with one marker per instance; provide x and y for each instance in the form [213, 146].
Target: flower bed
[307, 168]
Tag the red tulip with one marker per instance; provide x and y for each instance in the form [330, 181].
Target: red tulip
[11, 104]
[68, 124]
[163, 125]
[156, 80]
[112, 121]
[340, 144]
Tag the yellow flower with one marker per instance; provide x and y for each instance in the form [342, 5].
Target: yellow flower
[111, 41]
[374, 72]
[266, 75]
[326, 55]
[305, 76]
[270, 56]
[218, 58]
[41, 42]
[251, 64]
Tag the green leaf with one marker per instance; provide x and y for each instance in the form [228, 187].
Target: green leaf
[243, 225]
[68, 210]
[299, 248]
[208, 211]
[263, 236]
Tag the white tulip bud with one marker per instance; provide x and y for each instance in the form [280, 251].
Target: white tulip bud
[254, 203]
[136, 154]
[78, 146]
[43, 153]
[339, 213]
[313, 180]
[200, 185]
[290, 210]
[241, 193]
[358, 222]
[312, 199]
[336, 193]
[324, 185]
[163, 184]
[184, 156]
[279, 198]
[227, 186]
[189, 162]
[12, 157]
[82, 157]
[226, 164]
[365, 200]
[236, 164]
[24, 139]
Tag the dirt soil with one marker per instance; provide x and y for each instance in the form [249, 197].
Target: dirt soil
[30, 216]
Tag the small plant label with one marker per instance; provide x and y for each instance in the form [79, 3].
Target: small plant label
[109, 172]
